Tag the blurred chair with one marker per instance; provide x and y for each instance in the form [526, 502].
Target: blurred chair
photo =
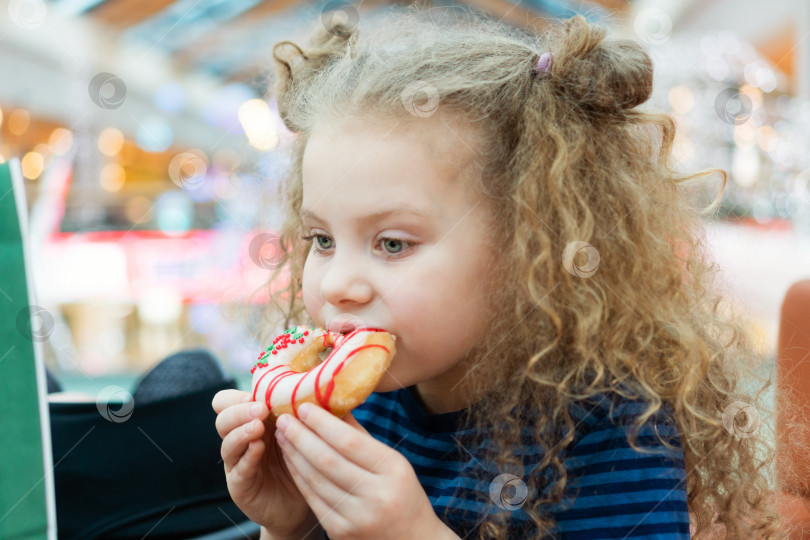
[793, 393]
[148, 465]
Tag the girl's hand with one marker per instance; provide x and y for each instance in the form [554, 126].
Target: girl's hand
[258, 480]
[358, 487]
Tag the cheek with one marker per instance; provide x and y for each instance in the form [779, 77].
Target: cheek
[449, 304]
[310, 284]
[431, 305]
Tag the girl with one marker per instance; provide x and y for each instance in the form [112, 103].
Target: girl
[498, 201]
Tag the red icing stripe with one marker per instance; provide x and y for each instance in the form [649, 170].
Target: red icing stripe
[338, 344]
[292, 396]
[256, 389]
[270, 387]
[330, 386]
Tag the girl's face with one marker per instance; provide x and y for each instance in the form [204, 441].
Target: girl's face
[400, 243]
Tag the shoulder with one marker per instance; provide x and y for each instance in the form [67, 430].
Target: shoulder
[619, 488]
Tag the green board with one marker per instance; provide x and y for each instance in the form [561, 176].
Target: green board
[26, 472]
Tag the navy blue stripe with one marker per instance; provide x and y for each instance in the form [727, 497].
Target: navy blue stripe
[628, 509]
[628, 487]
[621, 465]
[643, 442]
[675, 529]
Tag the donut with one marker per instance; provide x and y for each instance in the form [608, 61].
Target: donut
[290, 371]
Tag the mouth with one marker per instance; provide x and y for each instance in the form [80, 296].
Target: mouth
[345, 324]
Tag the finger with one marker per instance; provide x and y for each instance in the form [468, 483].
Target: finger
[327, 460]
[362, 449]
[352, 421]
[326, 490]
[238, 415]
[235, 444]
[226, 398]
[242, 478]
[327, 515]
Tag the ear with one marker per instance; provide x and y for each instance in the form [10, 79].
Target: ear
[352, 421]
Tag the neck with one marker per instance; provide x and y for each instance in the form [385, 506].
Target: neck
[448, 392]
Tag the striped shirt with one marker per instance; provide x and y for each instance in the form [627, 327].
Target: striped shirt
[613, 490]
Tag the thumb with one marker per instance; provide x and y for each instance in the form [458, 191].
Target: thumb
[352, 421]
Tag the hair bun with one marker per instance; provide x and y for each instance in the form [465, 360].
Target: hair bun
[295, 66]
[600, 75]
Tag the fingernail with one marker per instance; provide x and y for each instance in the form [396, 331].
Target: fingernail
[303, 410]
[249, 428]
[282, 422]
[280, 437]
[255, 410]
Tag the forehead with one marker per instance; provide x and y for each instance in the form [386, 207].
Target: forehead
[415, 159]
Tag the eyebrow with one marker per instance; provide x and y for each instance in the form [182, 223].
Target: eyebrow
[377, 216]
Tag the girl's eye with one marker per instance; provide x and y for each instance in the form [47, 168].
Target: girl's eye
[392, 245]
[324, 242]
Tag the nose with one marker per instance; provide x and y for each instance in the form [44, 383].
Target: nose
[345, 281]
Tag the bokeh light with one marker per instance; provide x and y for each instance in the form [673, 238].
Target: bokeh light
[112, 177]
[259, 124]
[32, 165]
[18, 121]
[110, 141]
[138, 209]
[160, 305]
[681, 99]
[175, 212]
[61, 140]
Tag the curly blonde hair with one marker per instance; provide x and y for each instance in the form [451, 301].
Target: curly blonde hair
[572, 169]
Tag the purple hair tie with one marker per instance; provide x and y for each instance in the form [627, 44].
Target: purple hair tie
[544, 63]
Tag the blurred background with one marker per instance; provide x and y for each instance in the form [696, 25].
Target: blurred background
[149, 150]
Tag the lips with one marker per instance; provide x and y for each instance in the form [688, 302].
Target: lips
[345, 324]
